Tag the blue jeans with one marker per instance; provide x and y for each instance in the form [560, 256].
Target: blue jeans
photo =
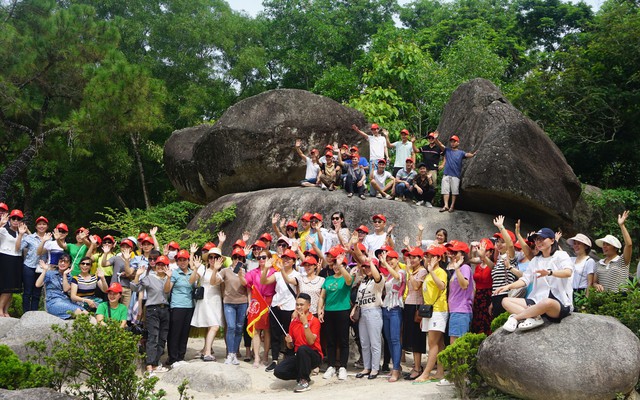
[31, 294]
[234, 315]
[391, 324]
[402, 190]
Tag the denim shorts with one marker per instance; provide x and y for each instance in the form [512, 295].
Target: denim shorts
[459, 323]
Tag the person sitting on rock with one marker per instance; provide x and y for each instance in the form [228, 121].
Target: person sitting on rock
[552, 292]
[304, 339]
[379, 186]
[422, 189]
[313, 167]
[452, 170]
[377, 144]
[329, 173]
[356, 176]
[333, 149]
[404, 181]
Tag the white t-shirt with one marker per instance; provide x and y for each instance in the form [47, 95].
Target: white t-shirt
[370, 293]
[53, 251]
[283, 297]
[377, 145]
[373, 242]
[403, 151]
[562, 288]
[381, 179]
[581, 272]
[312, 169]
[8, 242]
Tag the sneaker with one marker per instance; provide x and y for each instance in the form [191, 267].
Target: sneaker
[379, 196]
[229, 359]
[388, 196]
[160, 369]
[362, 197]
[329, 373]
[419, 203]
[350, 195]
[234, 359]
[271, 366]
[358, 364]
[323, 186]
[398, 198]
[444, 382]
[428, 205]
[302, 386]
[178, 364]
[342, 373]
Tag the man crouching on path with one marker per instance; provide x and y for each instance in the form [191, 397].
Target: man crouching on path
[304, 338]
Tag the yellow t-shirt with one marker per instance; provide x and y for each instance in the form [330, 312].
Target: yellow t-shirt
[434, 296]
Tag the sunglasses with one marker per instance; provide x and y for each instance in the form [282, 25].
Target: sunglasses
[283, 245]
[153, 258]
[335, 218]
[291, 228]
[236, 258]
[108, 242]
[16, 219]
[85, 263]
[262, 257]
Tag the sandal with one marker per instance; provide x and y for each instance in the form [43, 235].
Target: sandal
[208, 358]
[410, 377]
[511, 324]
[443, 209]
[530, 323]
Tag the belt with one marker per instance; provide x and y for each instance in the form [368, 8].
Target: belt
[158, 306]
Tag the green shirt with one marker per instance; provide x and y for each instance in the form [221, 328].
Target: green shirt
[76, 252]
[118, 314]
[338, 294]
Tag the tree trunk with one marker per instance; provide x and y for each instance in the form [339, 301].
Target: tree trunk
[135, 138]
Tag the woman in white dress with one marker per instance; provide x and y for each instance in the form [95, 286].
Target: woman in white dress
[208, 311]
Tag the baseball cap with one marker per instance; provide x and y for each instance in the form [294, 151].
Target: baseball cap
[317, 216]
[392, 254]
[488, 244]
[409, 159]
[108, 237]
[354, 148]
[310, 260]
[417, 251]
[115, 287]
[382, 161]
[335, 251]
[145, 239]
[162, 260]
[183, 254]
[5, 207]
[431, 135]
[62, 227]
[127, 241]
[267, 237]
[240, 243]
[98, 239]
[238, 252]
[208, 246]
[16, 213]
[329, 154]
[454, 137]
[362, 247]
[260, 244]
[292, 224]
[456, 245]
[289, 253]
[379, 216]
[374, 126]
[174, 245]
[306, 217]
[547, 233]
[41, 218]
[404, 132]
[511, 235]
[363, 229]
[438, 250]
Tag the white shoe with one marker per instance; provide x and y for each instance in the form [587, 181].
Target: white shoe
[349, 194]
[229, 359]
[419, 203]
[444, 382]
[329, 373]
[388, 197]
[379, 196]
[234, 359]
[428, 205]
[323, 187]
[530, 323]
[342, 373]
[511, 324]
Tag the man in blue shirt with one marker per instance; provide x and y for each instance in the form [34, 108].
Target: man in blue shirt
[453, 157]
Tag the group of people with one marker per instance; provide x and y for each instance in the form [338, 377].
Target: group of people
[319, 280]
[343, 166]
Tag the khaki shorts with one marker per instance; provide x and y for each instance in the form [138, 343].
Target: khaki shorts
[450, 185]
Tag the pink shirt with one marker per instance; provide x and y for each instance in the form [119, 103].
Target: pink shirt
[253, 279]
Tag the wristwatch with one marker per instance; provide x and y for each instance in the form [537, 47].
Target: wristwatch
[306, 326]
[550, 271]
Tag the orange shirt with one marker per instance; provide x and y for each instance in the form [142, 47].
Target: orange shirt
[296, 330]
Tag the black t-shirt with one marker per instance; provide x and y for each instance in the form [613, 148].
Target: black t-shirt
[431, 156]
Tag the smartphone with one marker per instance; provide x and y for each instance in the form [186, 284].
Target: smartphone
[236, 269]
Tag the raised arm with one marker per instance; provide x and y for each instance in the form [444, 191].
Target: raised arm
[45, 239]
[526, 250]
[300, 153]
[627, 249]
[438, 142]
[359, 132]
[274, 224]
[385, 133]
[499, 223]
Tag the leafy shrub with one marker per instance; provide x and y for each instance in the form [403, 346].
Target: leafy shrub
[623, 305]
[15, 309]
[499, 321]
[171, 220]
[460, 358]
[605, 207]
[95, 362]
[14, 374]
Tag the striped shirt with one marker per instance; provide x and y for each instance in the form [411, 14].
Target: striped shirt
[612, 274]
[86, 285]
[500, 275]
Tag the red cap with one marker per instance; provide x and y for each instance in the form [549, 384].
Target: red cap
[392, 254]
[289, 253]
[16, 213]
[328, 147]
[344, 146]
[511, 235]
[162, 260]
[431, 135]
[329, 154]
[115, 287]
[314, 151]
[4, 207]
[174, 245]
[517, 246]
[145, 239]
[362, 247]
[108, 237]
[306, 217]
[127, 242]
[260, 244]
[310, 252]
[293, 224]
[404, 131]
[488, 244]
[97, 239]
[355, 155]
[382, 161]
[363, 229]
[335, 251]
[374, 126]
[310, 260]
[454, 137]
[417, 251]
[62, 227]
[240, 243]
[456, 245]
[81, 229]
[354, 148]
[141, 236]
[438, 250]
[238, 252]
[41, 218]
[208, 246]
[379, 216]
[267, 236]
[318, 216]
[409, 159]
[182, 254]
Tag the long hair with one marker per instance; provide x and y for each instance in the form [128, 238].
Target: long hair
[341, 215]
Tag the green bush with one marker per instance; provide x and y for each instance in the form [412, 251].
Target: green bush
[15, 374]
[605, 207]
[95, 362]
[15, 309]
[623, 305]
[460, 359]
[499, 321]
[171, 220]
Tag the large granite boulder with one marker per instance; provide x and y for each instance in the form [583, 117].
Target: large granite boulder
[6, 324]
[32, 326]
[252, 145]
[255, 209]
[34, 394]
[518, 170]
[212, 378]
[583, 357]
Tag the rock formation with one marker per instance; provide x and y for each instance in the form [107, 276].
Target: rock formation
[583, 357]
[251, 146]
[32, 326]
[518, 170]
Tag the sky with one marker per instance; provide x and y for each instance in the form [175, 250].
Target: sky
[252, 7]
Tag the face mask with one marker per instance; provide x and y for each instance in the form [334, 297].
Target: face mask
[172, 255]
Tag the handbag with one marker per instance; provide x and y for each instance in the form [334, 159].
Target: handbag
[356, 313]
[425, 311]
[197, 293]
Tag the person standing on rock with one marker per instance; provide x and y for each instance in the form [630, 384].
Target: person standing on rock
[29, 244]
[377, 145]
[304, 339]
[313, 167]
[10, 259]
[403, 147]
[552, 292]
[452, 170]
[431, 154]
